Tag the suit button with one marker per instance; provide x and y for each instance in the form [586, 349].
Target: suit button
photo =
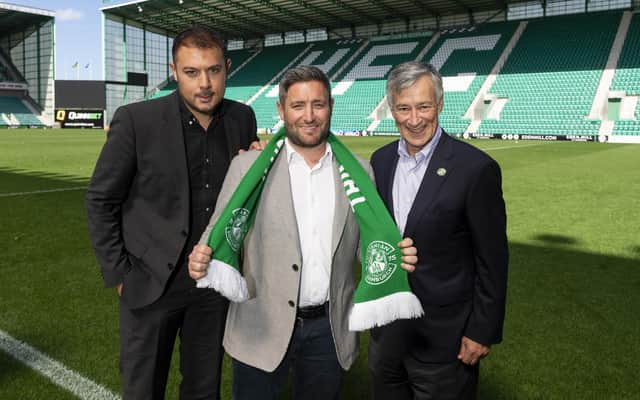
[170, 266]
[291, 303]
[295, 267]
[184, 233]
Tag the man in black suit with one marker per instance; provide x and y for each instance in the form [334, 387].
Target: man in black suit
[447, 196]
[152, 193]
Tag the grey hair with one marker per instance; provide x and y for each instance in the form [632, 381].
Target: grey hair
[406, 74]
[302, 73]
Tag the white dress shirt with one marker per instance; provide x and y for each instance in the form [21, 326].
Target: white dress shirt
[313, 193]
[408, 177]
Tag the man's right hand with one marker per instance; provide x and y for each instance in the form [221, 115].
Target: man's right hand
[258, 145]
[119, 289]
[199, 260]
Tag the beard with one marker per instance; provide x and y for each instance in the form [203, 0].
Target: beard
[298, 139]
[199, 107]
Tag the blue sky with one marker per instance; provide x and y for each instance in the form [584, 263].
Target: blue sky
[78, 35]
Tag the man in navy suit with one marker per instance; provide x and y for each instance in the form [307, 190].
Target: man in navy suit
[447, 196]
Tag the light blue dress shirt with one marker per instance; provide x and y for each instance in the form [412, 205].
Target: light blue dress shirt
[409, 173]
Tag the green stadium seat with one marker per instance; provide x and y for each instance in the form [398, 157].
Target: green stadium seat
[627, 76]
[11, 105]
[552, 75]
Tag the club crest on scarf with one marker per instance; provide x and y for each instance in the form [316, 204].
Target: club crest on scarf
[381, 262]
[237, 228]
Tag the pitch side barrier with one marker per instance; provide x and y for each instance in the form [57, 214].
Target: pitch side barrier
[553, 138]
[504, 136]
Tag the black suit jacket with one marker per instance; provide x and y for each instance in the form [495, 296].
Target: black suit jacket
[138, 201]
[458, 224]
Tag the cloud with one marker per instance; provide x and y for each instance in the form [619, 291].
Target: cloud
[68, 14]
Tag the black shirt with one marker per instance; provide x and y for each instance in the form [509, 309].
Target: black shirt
[207, 162]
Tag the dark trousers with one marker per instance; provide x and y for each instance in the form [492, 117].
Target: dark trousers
[312, 355]
[409, 360]
[427, 381]
[147, 336]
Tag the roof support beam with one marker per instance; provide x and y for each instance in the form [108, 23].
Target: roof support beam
[216, 10]
[462, 5]
[346, 6]
[424, 7]
[389, 10]
[320, 10]
[300, 19]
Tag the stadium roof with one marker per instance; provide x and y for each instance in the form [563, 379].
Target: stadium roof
[255, 18]
[14, 18]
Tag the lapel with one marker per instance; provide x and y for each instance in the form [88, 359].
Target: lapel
[172, 129]
[231, 130]
[386, 179]
[278, 202]
[431, 183]
[341, 209]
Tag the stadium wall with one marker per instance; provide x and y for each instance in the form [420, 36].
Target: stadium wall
[129, 47]
[32, 52]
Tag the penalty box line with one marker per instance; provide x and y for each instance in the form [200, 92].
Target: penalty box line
[55, 371]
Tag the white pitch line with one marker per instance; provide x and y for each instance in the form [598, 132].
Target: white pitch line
[62, 376]
[42, 191]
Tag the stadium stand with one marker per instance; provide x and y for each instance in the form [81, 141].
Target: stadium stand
[269, 63]
[536, 77]
[26, 66]
[165, 90]
[464, 57]
[15, 112]
[627, 79]
[627, 75]
[359, 89]
[329, 56]
[8, 71]
[239, 57]
[551, 76]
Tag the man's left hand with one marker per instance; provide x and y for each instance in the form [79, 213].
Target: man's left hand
[409, 257]
[471, 352]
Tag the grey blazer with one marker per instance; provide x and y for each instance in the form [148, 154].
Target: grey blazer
[258, 331]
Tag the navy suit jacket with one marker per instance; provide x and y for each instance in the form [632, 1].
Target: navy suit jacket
[458, 224]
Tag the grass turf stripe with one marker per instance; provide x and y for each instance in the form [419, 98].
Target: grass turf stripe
[62, 376]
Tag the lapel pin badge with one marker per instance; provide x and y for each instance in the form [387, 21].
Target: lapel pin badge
[441, 172]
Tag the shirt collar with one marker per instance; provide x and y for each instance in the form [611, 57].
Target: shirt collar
[424, 152]
[293, 156]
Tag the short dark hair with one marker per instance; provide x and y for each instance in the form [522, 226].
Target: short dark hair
[302, 73]
[199, 36]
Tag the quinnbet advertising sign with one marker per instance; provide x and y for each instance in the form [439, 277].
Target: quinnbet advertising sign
[73, 118]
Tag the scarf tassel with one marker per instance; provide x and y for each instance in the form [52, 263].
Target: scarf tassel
[226, 280]
[381, 311]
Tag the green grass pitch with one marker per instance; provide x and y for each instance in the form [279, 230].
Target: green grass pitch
[572, 327]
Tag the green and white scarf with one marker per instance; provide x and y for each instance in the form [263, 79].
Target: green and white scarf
[383, 294]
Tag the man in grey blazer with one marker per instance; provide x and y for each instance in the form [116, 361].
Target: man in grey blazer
[298, 258]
